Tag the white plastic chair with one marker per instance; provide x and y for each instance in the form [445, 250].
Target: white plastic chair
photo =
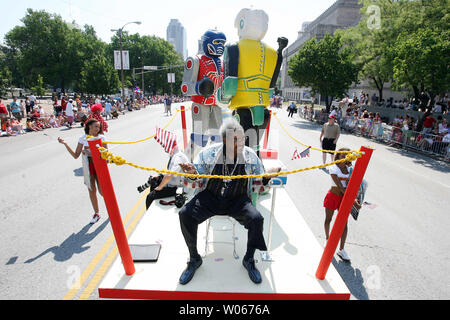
[224, 229]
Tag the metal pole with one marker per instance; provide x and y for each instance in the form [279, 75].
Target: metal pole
[171, 82]
[265, 255]
[143, 84]
[121, 66]
[104, 180]
[272, 214]
[344, 212]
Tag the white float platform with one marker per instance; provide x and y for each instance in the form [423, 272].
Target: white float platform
[291, 276]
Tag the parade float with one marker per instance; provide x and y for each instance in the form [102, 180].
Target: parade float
[152, 257]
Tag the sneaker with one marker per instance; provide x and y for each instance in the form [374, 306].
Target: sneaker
[343, 255]
[95, 218]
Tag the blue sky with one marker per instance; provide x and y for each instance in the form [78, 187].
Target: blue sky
[286, 16]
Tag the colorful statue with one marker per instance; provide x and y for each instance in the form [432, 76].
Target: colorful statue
[251, 71]
[203, 76]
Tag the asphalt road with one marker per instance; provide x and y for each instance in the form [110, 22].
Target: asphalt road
[399, 246]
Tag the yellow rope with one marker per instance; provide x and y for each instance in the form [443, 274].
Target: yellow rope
[119, 161]
[149, 138]
[317, 149]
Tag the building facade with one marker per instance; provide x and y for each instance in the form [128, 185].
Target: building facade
[176, 35]
[341, 15]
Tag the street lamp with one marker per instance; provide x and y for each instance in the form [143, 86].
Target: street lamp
[121, 55]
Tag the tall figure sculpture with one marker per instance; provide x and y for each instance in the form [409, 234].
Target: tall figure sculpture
[251, 70]
[203, 76]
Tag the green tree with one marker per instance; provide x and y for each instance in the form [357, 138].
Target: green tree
[51, 47]
[149, 51]
[370, 47]
[9, 59]
[5, 80]
[38, 88]
[325, 66]
[389, 43]
[99, 77]
[423, 57]
[43, 47]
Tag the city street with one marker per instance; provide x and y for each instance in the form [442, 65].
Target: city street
[399, 246]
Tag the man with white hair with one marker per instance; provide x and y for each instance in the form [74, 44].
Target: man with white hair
[231, 197]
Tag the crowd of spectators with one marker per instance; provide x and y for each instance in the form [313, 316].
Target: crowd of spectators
[440, 104]
[28, 115]
[426, 132]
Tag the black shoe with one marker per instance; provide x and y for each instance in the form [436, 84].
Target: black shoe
[253, 273]
[188, 274]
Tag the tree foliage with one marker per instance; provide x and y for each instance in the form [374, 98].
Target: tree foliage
[63, 54]
[5, 80]
[149, 51]
[409, 47]
[98, 77]
[38, 88]
[325, 66]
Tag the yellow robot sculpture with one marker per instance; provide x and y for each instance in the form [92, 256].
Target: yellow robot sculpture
[251, 69]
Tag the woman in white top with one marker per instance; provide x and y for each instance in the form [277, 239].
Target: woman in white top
[92, 128]
[340, 175]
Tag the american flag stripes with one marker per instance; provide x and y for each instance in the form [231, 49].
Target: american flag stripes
[303, 154]
[166, 139]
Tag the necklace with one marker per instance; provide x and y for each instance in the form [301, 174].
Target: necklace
[227, 182]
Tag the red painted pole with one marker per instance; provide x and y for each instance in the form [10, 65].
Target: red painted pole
[266, 137]
[183, 122]
[344, 212]
[104, 180]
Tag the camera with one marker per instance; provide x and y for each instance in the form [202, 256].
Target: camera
[145, 186]
[180, 198]
[152, 183]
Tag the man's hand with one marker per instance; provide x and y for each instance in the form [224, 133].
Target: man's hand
[274, 170]
[188, 168]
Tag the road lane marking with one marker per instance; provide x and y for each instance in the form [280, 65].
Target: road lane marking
[95, 261]
[98, 276]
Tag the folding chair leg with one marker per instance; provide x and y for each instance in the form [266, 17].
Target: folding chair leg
[207, 237]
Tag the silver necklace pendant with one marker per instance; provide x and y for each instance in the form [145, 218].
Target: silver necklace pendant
[223, 191]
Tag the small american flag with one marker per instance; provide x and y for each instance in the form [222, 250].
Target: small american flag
[166, 139]
[303, 154]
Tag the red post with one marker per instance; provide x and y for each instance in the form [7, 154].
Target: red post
[104, 179]
[344, 212]
[183, 122]
[266, 136]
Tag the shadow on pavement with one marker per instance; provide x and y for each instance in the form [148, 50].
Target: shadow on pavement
[424, 160]
[352, 278]
[78, 172]
[74, 244]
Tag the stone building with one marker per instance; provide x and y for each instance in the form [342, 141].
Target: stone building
[341, 15]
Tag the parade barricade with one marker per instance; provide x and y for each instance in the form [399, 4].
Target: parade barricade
[395, 135]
